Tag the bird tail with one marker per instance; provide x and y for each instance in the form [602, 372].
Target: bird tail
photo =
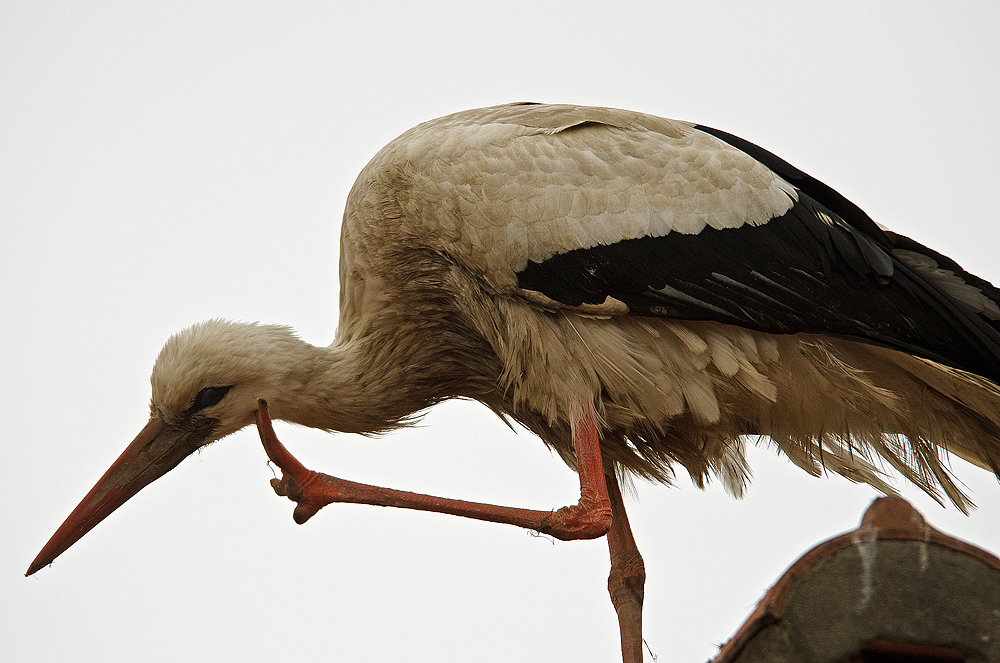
[931, 409]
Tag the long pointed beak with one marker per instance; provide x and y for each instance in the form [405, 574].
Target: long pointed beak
[154, 452]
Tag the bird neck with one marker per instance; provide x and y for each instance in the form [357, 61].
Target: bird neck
[328, 389]
[371, 384]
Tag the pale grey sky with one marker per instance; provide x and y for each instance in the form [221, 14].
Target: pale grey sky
[165, 163]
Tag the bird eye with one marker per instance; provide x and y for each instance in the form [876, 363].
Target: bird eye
[208, 397]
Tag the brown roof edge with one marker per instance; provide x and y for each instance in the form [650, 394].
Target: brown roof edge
[888, 518]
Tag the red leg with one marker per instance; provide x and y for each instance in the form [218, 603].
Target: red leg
[588, 519]
[628, 576]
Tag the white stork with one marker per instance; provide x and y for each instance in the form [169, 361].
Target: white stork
[641, 293]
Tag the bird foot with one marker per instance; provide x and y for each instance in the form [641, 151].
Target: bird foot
[296, 480]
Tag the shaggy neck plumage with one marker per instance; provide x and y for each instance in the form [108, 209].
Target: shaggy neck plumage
[331, 391]
[374, 384]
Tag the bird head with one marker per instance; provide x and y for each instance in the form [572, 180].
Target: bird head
[205, 385]
[207, 378]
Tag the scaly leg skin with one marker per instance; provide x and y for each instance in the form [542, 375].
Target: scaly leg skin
[628, 576]
[588, 519]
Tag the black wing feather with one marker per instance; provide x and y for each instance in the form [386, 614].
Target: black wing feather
[823, 267]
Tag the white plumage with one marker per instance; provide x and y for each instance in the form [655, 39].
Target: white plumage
[690, 289]
[488, 191]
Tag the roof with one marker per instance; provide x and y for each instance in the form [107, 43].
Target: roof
[894, 589]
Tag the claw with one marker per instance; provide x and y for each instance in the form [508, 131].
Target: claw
[304, 512]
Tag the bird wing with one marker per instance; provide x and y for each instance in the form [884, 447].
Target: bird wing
[609, 212]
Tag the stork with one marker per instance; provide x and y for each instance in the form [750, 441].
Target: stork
[641, 293]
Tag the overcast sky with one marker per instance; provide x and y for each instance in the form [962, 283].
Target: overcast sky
[163, 163]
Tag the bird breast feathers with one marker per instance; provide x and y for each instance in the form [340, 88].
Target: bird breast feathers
[498, 187]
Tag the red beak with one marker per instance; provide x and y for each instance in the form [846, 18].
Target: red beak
[154, 452]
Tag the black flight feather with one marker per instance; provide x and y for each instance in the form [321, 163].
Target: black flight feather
[822, 267]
